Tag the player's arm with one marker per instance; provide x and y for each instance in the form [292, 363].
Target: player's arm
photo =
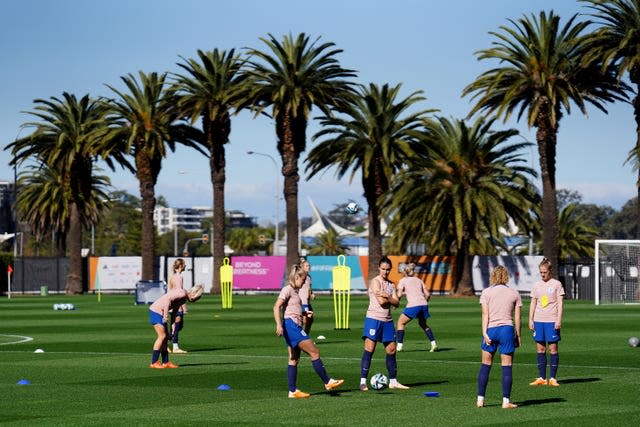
[277, 316]
[393, 299]
[558, 324]
[517, 315]
[400, 291]
[426, 292]
[485, 324]
[532, 310]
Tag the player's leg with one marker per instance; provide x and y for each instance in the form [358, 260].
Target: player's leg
[506, 360]
[365, 362]
[161, 336]
[483, 375]
[292, 374]
[389, 341]
[402, 323]
[428, 332]
[175, 332]
[541, 353]
[311, 349]
[554, 359]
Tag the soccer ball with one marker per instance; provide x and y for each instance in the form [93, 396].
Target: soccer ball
[352, 208]
[379, 381]
[634, 341]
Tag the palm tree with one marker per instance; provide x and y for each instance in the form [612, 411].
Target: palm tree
[576, 236]
[615, 45]
[328, 243]
[293, 77]
[66, 141]
[462, 185]
[209, 91]
[146, 126]
[371, 136]
[541, 74]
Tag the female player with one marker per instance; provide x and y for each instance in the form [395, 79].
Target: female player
[501, 305]
[289, 306]
[545, 320]
[177, 318]
[378, 325]
[306, 295]
[158, 317]
[417, 305]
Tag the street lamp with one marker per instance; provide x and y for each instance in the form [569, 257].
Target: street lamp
[276, 239]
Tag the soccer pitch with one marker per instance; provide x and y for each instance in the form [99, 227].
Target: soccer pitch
[94, 369]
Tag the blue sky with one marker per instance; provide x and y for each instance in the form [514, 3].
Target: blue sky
[78, 46]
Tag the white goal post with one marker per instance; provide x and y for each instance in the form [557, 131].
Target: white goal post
[617, 267]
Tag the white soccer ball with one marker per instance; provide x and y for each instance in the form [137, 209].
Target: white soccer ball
[352, 208]
[634, 341]
[379, 381]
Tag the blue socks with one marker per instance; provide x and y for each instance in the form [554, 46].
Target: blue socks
[318, 366]
[430, 335]
[392, 366]
[365, 364]
[553, 361]
[483, 379]
[176, 330]
[292, 375]
[507, 381]
[400, 336]
[155, 356]
[542, 365]
[165, 356]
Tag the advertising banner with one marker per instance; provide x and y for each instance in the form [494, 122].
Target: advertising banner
[258, 272]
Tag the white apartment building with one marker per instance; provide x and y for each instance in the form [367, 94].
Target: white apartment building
[188, 219]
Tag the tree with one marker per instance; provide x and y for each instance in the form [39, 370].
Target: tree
[328, 243]
[119, 229]
[372, 136]
[292, 77]
[615, 45]
[146, 126]
[624, 224]
[541, 74]
[66, 141]
[462, 185]
[212, 87]
[576, 237]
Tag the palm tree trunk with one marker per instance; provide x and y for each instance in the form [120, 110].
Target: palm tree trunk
[375, 241]
[148, 204]
[546, 139]
[218, 178]
[291, 201]
[464, 280]
[74, 276]
[636, 113]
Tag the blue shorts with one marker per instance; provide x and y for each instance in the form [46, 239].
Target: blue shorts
[155, 318]
[293, 333]
[378, 330]
[420, 312]
[502, 337]
[545, 332]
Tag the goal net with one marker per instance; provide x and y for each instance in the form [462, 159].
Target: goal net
[616, 271]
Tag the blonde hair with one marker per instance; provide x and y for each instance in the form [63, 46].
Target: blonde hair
[499, 276]
[294, 271]
[547, 263]
[178, 263]
[410, 268]
[196, 292]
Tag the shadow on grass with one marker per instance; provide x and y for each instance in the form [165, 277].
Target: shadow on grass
[325, 342]
[423, 350]
[579, 380]
[211, 364]
[427, 383]
[532, 402]
[200, 350]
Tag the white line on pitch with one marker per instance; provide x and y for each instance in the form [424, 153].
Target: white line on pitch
[21, 340]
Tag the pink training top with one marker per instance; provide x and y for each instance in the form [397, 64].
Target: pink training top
[292, 304]
[413, 288]
[501, 300]
[173, 299]
[176, 281]
[375, 310]
[548, 295]
[305, 290]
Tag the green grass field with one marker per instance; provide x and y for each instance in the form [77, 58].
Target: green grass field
[94, 369]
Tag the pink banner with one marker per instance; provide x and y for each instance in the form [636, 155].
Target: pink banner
[258, 272]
